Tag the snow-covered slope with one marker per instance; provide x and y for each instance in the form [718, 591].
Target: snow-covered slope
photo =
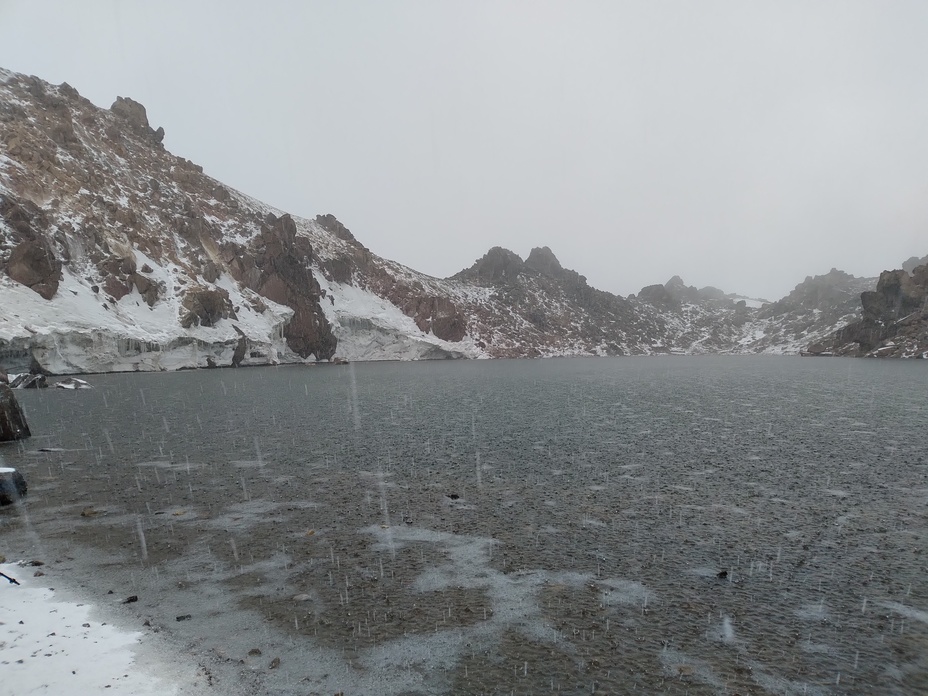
[117, 255]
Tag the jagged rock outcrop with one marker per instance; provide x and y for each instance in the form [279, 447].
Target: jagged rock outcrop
[277, 266]
[543, 260]
[895, 319]
[498, 265]
[137, 118]
[13, 424]
[165, 263]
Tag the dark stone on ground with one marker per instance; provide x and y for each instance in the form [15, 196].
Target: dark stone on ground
[13, 424]
[12, 487]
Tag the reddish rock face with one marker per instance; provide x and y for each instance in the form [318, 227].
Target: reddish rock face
[276, 265]
[438, 315]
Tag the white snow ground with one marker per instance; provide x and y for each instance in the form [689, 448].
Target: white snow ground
[54, 646]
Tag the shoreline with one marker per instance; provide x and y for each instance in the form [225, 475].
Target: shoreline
[51, 642]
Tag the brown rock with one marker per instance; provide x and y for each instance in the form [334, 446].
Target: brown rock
[210, 272]
[131, 111]
[277, 267]
[205, 307]
[435, 314]
[117, 287]
[34, 264]
[148, 289]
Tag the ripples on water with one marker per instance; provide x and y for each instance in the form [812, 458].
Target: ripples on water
[679, 525]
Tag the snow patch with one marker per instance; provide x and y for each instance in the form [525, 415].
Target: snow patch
[48, 646]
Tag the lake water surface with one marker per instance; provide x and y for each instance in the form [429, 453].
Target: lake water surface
[713, 525]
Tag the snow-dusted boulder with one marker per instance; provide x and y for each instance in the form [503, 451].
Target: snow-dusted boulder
[12, 486]
[72, 383]
[29, 381]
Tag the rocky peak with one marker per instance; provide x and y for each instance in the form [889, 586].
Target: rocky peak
[914, 262]
[543, 260]
[681, 292]
[498, 265]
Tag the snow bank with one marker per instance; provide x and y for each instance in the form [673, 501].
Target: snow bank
[48, 646]
[80, 331]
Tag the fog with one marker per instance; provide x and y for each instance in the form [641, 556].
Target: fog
[741, 145]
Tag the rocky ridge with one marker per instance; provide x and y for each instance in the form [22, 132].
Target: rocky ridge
[117, 255]
[894, 322]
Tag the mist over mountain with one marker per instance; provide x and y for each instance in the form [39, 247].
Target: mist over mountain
[117, 255]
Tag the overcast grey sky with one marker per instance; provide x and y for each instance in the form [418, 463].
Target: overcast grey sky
[737, 144]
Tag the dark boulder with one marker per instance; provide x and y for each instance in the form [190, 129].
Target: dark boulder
[241, 348]
[13, 424]
[12, 486]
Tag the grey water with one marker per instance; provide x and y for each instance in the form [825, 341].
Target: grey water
[711, 525]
